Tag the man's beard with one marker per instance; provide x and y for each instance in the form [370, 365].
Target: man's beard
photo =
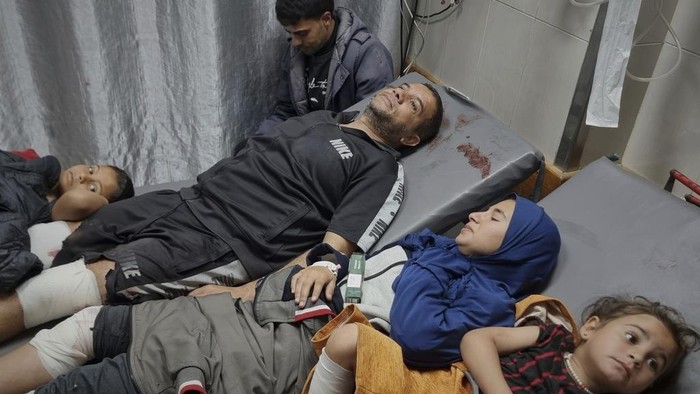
[384, 124]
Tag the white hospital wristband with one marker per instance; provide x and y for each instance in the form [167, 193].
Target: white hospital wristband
[333, 267]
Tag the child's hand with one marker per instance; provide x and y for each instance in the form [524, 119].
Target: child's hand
[76, 205]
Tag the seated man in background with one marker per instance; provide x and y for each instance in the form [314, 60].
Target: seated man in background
[34, 190]
[332, 63]
[317, 178]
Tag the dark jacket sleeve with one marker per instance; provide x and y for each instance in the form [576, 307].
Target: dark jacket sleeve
[374, 69]
[23, 188]
[17, 263]
[284, 109]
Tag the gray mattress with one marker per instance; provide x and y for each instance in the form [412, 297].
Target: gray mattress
[622, 234]
[474, 160]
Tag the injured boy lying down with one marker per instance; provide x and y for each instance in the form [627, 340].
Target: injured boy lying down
[35, 190]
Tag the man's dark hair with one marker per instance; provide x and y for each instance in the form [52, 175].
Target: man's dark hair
[290, 12]
[430, 127]
[125, 187]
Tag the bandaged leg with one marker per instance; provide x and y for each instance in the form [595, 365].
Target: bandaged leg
[331, 378]
[69, 344]
[46, 240]
[57, 292]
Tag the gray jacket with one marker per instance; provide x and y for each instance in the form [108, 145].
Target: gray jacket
[228, 345]
[360, 65]
[232, 346]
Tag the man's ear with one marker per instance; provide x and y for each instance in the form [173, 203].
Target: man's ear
[326, 18]
[411, 140]
[589, 327]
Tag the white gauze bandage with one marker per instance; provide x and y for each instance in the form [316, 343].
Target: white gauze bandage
[46, 240]
[57, 292]
[69, 344]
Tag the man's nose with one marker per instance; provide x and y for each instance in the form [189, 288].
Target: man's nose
[400, 95]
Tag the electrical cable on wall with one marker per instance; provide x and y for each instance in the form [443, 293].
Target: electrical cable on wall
[409, 28]
[659, 14]
[451, 5]
[426, 19]
[422, 36]
[658, 4]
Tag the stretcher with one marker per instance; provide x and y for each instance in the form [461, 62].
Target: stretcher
[624, 235]
[474, 160]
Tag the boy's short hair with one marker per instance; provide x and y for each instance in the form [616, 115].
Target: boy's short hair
[290, 12]
[125, 187]
[684, 335]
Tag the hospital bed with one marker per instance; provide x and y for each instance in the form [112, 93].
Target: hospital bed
[474, 159]
[622, 234]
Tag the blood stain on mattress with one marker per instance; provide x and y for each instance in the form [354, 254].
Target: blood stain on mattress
[445, 122]
[462, 121]
[476, 158]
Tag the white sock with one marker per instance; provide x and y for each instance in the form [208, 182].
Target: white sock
[331, 378]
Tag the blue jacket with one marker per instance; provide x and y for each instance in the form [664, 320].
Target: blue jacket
[24, 185]
[360, 66]
[441, 294]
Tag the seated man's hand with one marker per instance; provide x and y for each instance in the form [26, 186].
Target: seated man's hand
[245, 292]
[311, 281]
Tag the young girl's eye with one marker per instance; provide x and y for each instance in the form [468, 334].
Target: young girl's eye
[653, 364]
[631, 338]
[413, 105]
[93, 188]
[91, 169]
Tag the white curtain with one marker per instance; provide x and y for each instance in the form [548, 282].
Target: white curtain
[161, 88]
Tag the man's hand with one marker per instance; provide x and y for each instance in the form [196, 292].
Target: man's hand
[312, 277]
[245, 292]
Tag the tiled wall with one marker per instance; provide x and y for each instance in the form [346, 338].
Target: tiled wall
[520, 59]
[666, 133]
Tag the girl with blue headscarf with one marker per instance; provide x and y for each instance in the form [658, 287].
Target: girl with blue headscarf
[450, 286]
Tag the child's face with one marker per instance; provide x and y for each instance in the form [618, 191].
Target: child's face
[485, 231]
[91, 177]
[626, 354]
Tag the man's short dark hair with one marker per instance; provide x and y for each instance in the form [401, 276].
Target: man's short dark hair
[125, 187]
[430, 127]
[290, 12]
